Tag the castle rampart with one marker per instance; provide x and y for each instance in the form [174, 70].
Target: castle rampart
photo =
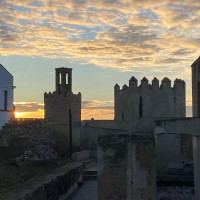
[149, 100]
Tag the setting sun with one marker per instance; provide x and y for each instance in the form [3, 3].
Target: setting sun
[18, 114]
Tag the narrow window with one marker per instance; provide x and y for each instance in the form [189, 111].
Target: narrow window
[5, 99]
[174, 99]
[140, 107]
[59, 78]
[122, 116]
[58, 91]
[66, 78]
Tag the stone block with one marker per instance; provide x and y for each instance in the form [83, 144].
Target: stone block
[174, 154]
[126, 167]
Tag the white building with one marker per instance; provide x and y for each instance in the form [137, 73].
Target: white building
[6, 96]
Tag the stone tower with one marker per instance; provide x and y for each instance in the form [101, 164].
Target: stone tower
[196, 88]
[149, 100]
[58, 103]
[63, 80]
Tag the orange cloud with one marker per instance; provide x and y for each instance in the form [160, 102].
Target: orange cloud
[29, 110]
[99, 110]
[90, 109]
[151, 36]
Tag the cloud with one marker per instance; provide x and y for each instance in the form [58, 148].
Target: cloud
[29, 110]
[181, 52]
[96, 104]
[169, 61]
[151, 36]
[90, 109]
[127, 35]
[99, 110]
[28, 106]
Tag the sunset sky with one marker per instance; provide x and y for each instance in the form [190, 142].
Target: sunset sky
[104, 41]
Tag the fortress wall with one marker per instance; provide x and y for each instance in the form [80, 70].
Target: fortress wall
[150, 100]
[113, 124]
[183, 125]
[83, 137]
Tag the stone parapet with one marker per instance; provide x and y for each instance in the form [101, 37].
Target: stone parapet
[55, 186]
[82, 155]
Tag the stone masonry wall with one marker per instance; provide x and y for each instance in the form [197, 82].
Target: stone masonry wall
[57, 107]
[150, 100]
[126, 167]
[55, 186]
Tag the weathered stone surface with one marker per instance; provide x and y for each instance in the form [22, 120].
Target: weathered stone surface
[175, 193]
[196, 154]
[57, 186]
[174, 154]
[58, 103]
[126, 167]
[148, 101]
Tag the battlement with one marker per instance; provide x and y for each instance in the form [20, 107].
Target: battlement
[69, 95]
[154, 99]
[63, 68]
[165, 84]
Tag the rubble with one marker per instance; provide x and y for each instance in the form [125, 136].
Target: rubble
[39, 136]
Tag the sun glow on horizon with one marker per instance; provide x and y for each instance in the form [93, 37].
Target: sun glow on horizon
[18, 114]
[37, 114]
[99, 110]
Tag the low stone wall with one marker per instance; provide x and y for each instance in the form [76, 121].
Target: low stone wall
[111, 124]
[83, 137]
[187, 125]
[82, 155]
[55, 186]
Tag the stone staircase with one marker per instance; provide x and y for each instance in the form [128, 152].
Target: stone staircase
[90, 173]
[89, 164]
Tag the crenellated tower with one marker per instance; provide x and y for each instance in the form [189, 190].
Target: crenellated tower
[155, 83]
[149, 100]
[58, 103]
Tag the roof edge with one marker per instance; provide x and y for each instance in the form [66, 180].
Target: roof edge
[196, 61]
[6, 69]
